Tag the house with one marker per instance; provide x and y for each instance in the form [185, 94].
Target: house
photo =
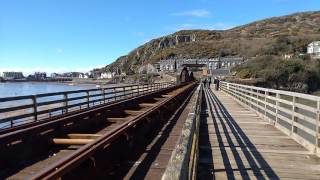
[40, 75]
[83, 75]
[314, 50]
[107, 75]
[287, 56]
[12, 75]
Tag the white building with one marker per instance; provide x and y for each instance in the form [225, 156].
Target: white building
[107, 75]
[12, 75]
[83, 75]
[314, 49]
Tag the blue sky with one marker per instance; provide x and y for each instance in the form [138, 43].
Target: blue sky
[66, 35]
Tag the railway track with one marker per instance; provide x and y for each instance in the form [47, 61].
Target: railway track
[92, 143]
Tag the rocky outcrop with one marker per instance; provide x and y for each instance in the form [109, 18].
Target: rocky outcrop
[171, 41]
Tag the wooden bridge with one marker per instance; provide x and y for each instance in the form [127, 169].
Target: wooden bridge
[235, 143]
[172, 131]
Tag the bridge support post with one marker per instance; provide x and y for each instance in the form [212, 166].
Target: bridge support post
[35, 111]
[88, 99]
[277, 108]
[293, 118]
[65, 102]
[317, 135]
[265, 105]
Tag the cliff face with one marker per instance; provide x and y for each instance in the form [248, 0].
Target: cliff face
[275, 36]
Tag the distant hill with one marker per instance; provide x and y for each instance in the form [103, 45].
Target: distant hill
[273, 36]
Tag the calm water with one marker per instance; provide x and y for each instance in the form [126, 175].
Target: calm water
[31, 88]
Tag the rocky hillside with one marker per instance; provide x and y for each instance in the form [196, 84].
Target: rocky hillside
[273, 36]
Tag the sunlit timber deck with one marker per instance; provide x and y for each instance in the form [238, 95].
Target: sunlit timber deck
[235, 143]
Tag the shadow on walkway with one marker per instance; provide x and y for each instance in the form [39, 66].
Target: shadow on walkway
[258, 167]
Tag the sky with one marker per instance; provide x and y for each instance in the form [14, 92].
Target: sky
[78, 35]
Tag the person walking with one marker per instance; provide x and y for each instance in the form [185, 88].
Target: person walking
[217, 84]
[209, 82]
[205, 82]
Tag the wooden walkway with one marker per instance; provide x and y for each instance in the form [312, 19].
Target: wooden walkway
[236, 144]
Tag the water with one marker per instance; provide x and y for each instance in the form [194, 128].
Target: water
[31, 88]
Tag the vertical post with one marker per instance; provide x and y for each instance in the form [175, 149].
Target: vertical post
[124, 92]
[35, 111]
[88, 99]
[277, 108]
[292, 115]
[133, 89]
[265, 105]
[251, 95]
[317, 127]
[103, 91]
[65, 102]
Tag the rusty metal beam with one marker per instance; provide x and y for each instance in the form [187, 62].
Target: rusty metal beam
[83, 136]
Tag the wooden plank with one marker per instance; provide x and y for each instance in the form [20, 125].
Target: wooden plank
[61, 141]
[132, 112]
[117, 119]
[147, 104]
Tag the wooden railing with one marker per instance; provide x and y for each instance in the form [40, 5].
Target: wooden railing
[18, 110]
[295, 114]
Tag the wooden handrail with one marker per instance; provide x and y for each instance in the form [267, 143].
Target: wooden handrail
[295, 114]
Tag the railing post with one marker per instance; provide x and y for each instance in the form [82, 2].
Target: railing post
[317, 127]
[65, 101]
[251, 100]
[265, 105]
[103, 91]
[277, 108]
[123, 92]
[88, 99]
[115, 94]
[292, 115]
[35, 111]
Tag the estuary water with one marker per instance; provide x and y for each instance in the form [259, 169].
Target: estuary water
[10, 89]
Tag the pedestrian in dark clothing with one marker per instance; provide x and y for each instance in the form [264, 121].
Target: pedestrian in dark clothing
[209, 81]
[217, 84]
[205, 82]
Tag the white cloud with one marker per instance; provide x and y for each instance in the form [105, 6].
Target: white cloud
[59, 50]
[209, 26]
[194, 13]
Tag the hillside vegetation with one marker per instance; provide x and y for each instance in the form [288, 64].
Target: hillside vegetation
[268, 39]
